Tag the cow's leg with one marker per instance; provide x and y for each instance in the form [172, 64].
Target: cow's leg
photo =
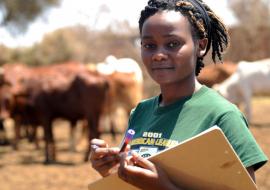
[93, 132]
[3, 138]
[31, 134]
[34, 136]
[107, 125]
[17, 137]
[90, 135]
[50, 156]
[94, 129]
[72, 136]
[83, 136]
[112, 129]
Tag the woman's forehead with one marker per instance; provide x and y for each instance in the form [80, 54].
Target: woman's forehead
[166, 20]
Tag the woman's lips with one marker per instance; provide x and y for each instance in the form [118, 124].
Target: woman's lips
[162, 68]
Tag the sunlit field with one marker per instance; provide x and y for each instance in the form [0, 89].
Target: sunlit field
[24, 169]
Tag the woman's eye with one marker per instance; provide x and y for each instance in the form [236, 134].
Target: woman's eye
[148, 46]
[173, 45]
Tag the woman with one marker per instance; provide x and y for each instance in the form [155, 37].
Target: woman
[175, 37]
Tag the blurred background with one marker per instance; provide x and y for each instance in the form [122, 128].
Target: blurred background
[45, 32]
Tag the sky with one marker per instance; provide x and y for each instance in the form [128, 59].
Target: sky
[95, 15]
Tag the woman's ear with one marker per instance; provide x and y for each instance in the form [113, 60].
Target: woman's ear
[202, 43]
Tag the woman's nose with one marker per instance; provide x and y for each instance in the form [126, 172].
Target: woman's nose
[160, 55]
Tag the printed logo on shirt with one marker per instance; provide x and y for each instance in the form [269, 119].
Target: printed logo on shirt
[146, 151]
[154, 142]
[151, 143]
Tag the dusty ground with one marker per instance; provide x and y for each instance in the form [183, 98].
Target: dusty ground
[24, 170]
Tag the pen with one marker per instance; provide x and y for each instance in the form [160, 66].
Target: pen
[128, 137]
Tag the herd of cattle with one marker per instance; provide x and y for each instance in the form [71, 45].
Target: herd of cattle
[35, 96]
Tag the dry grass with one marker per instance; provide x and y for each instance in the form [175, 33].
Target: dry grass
[24, 170]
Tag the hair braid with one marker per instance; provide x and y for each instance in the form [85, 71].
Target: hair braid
[205, 24]
[220, 38]
[188, 10]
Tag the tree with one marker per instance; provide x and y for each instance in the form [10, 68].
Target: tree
[5, 55]
[16, 15]
[76, 43]
[249, 38]
[251, 13]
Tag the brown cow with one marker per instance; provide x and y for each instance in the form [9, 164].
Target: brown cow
[11, 77]
[14, 101]
[80, 96]
[66, 91]
[216, 73]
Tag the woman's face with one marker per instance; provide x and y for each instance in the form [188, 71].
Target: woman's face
[168, 50]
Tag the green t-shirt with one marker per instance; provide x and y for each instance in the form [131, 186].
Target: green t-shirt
[158, 128]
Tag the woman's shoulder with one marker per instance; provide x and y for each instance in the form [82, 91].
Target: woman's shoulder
[212, 99]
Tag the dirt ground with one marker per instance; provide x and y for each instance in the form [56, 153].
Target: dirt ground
[24, 169]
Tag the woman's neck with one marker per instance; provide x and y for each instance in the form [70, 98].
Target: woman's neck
[172, 93]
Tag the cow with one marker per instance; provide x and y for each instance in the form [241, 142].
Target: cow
[250, 79]
[3, 137]
[216, 73]
[125, 85]
[11, 77]
[68, 91]
[15, 104]
[126, 82]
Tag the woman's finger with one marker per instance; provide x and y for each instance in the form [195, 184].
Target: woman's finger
[106, 169]
[95, 144]
[142, 162]
[96, 163]
[97, 152]
[99, 143]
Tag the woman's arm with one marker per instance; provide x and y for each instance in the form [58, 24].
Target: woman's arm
[251, 173]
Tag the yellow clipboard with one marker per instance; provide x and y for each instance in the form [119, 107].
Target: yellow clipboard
[206, 161]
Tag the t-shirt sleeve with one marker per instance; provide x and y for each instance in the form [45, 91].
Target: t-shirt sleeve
[236, 130]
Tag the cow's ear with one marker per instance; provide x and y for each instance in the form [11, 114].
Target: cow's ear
[202, 43]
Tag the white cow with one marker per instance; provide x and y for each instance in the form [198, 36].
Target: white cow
[250, 79]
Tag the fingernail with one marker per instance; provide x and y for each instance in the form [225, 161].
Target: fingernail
[94, 147]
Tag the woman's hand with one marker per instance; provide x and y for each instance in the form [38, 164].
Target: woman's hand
[142, 173]
[104, 159]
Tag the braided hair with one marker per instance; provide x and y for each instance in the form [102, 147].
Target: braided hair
[204, 23]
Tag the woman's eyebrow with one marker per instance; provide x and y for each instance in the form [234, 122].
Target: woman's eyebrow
[147, 37]
[165, 36]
